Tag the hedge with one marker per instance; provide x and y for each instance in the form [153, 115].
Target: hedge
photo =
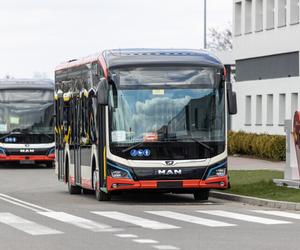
[262, 146]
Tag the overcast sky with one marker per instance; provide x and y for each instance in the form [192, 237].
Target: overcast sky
[36, 35]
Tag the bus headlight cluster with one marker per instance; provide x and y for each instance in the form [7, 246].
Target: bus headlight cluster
[2, 151]
[119, 172]
[219, 172]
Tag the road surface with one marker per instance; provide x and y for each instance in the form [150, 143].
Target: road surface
[36, 212]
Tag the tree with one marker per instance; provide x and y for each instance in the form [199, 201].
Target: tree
[219, 39]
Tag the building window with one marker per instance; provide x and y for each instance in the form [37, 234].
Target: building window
[294, 103]
[270, 14]
[259, 15]
[270, 110]
[281, 13]
[248, 110]
[248, 16]
[268, 67]
[294, 11]
[258, 110]
[238, 18]
[281, 109]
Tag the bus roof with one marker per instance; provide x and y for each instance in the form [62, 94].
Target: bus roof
[26, 84]
[127, 57]
[124, 57]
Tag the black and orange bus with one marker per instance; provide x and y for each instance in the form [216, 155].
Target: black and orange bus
[143, 119]
[26, 121]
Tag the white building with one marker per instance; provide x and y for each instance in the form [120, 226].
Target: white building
[266, 50]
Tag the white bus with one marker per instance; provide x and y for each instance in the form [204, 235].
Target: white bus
[143, 119]
[26, 121]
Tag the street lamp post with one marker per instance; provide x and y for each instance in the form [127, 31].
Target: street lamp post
[204, 25]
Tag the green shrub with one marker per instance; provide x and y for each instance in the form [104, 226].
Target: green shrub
[263, 146]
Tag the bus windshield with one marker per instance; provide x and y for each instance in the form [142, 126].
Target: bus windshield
[152, 105]
[26, 111]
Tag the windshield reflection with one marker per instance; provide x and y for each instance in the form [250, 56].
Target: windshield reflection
[26, 113]
[174, 108]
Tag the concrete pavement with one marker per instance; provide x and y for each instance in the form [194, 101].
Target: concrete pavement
[244, 163]
[36, 212]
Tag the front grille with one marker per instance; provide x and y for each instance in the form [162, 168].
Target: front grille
[171, 173]
[26, 151]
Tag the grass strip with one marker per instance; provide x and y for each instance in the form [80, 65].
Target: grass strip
[259, 183]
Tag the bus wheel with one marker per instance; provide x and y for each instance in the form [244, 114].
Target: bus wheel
[201, 195]
[87, 191]
[50, 164]
[100, 195]
[73, 189]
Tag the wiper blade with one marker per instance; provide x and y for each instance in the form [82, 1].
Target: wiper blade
[47, 135]
[11, 132]
[132, 146]
[203, 144]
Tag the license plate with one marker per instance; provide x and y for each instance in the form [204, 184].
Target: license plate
[169, 184]
[27, 162]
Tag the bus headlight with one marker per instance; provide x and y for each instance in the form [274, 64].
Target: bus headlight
[2, 151]
[218, 171]
[119, 172]
[51, 151]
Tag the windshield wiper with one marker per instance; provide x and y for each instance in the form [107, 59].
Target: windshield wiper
[18, 130]
[47, 135]
[203, 144]
[132, 146]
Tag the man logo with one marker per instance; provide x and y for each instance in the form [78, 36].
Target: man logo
[169, 172]
[169, 163]
[26, 150]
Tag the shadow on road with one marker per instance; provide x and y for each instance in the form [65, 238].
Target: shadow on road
[22, 166]
[154, 198]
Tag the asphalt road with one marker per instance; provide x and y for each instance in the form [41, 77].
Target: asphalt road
[36, 212]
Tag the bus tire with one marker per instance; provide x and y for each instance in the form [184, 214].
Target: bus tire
[201, 195]
[50, 164]
[73, 189]
[87, 191]
[102, 196]
[99, 194]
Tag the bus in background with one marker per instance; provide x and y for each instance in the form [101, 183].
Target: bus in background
[143, 119]
[27, 121]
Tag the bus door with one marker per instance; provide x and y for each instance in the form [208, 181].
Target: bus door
[77, 161]
[85, 133]
[59, 137]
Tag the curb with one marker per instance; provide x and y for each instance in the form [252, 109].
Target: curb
[256, 201]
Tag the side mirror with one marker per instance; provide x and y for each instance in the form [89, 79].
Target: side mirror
[102, 92]
[231, 98]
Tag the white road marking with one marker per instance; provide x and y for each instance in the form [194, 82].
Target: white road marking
[165, 247]
[26, 226]
[244, 217]
[139, 221]
[24, 204]
[145, 241]
[279, 213]
[79, 222]
[190, 219]
[126, 235]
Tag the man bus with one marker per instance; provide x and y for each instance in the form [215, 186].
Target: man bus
[143, 120]
[26, 121]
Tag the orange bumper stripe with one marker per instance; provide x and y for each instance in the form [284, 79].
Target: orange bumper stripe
[127, 184]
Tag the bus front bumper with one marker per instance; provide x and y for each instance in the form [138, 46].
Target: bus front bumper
[116, 184]
[49, 157]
